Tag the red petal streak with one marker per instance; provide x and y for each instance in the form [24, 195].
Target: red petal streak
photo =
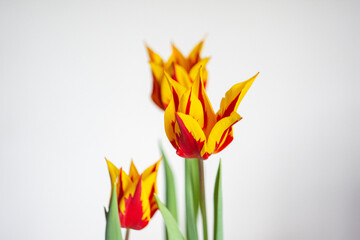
[176, 98]
[156, 94]
[230, 108]
[228, 140]
[188, 104]
[121, 190]
[201, 99]
[188, 146]
[153, 205]
[133, 214]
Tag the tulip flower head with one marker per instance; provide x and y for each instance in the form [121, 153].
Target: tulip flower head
[135, 194]
[192, 126]
[182, 69]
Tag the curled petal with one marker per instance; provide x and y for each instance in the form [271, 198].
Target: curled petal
[233, 97]
[190, 137]
[218, 138]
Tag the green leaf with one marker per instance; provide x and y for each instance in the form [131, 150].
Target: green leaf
[170, 222]
[171, 202]
[195, 185]
[218, 211]
[170, 190]
[191, 224]
[113, 228]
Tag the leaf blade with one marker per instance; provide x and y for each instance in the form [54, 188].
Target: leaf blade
[113, 227]
[218, 211]
[172, 227]
[171, 202]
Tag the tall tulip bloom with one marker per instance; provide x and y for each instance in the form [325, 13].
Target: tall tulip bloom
[135, 194]
[182, 69]
[192, 126]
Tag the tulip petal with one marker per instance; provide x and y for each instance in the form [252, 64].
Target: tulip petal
[191, 105]
[124, 185]
[182, 76]
[133, 173]
[218, 138]
[133, 216]
[190, 137]
[194, 55]
[169, 116]
[179, 58]
[233, 97]
[169, 123]
[209, 114]
[149, 189]
[152, 169]
[177, 90]
[157, 71]
[113, 171]
[195, 70]
[165, 92]
[154, 57]
[156, 95]
[149, 178]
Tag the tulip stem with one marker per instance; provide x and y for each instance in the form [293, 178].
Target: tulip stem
[202, 198]
[127, 234]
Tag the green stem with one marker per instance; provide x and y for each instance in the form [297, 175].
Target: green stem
[127, 234]
[202, 198]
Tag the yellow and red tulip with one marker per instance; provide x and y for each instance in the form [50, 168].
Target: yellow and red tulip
[182, 69]
[135, 194]
[192, 126]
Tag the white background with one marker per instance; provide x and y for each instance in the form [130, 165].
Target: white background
[75, 87]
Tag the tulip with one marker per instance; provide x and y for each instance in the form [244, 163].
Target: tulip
[182, 69]
[192, 126]
[135, 194]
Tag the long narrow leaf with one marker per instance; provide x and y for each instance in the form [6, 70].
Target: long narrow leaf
[171, 202]
[218, 214]
[191, 226]
[172, 227]
[113, 228]
[170, 190]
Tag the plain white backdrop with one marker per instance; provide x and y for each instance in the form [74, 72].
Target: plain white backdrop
[75, 87]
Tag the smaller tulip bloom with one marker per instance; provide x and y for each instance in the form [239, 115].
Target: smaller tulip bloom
[182, 69]
[192, 126]
[135, 194]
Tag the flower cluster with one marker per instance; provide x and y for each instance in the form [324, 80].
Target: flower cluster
[195, 131]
